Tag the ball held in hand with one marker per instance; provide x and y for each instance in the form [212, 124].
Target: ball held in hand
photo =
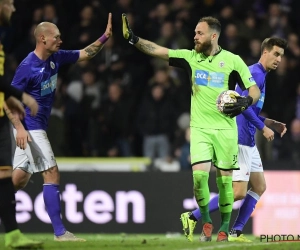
[227, 96]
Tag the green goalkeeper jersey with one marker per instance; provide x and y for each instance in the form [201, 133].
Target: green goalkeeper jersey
[209, 76]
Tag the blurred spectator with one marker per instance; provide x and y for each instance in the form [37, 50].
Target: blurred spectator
[275, 23]
[281, 86]
[157, 16]
[50, 15]
[114, 123]
[73, 118]
[85, 93]
[183, 152]
[170, 39]
[85, 31]
[56, 129]
[293, 106]
[294, 51]
[76, 70]
[232, 42]
[37, 16]
[226, 17]
[254, 53]
[26, 46]
[293, 42]
[111, 53]
[161, 77]
[248, 28]
[156, 123]
[297, 106]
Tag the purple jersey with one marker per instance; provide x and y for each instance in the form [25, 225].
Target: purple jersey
[38, 78]
[249, 120]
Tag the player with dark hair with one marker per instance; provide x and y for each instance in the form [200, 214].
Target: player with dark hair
[249, 161]
[10, 99]
[213, 135]
[37, 75]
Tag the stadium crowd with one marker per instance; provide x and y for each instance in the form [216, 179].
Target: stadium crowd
[124, 103]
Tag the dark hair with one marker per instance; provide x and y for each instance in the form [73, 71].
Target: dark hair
[268, 43]
[212, 22]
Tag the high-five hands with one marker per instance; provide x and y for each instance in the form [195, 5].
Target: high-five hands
[108, 31]
[241, 104]
[127, 32]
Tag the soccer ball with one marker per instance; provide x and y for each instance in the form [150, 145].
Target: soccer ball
[225, 97]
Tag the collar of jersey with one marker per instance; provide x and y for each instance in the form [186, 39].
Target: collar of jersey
[211, 56]
[262, 67]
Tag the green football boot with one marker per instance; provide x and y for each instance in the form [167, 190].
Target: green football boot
[188, 225]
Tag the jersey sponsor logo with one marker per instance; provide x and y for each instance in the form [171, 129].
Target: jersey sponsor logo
[52, 65]
[42, 69]
[48, 86]
[260, 102]
[211, 79]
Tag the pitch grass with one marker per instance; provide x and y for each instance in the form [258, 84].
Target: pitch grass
[152, 242]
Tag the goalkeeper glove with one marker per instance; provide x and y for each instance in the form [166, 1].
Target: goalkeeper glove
[241, 104]
[127, 32]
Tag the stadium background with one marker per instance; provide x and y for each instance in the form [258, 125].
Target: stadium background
[106, 107]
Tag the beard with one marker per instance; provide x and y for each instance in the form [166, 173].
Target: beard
[203, 47]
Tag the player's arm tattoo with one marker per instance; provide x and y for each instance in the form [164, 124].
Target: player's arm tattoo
[93, 49]
[147, 48]
[13, 119]
[152, 49]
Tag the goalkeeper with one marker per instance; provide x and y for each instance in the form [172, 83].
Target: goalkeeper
[213, 135]
[249, 160]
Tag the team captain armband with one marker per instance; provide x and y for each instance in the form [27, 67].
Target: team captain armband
[103, 39]
[1, 104]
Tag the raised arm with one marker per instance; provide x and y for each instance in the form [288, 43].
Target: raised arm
[147, 47]
[152, 49]
[93, 49]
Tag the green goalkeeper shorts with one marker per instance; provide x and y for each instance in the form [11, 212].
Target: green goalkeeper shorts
[220, 146]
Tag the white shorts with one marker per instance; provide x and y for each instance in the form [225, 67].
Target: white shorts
[249, 161]
[37, 156]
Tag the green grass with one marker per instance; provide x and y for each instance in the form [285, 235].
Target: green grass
[153, 242]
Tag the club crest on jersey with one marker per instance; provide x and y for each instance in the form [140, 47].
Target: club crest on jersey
[221, 64]
[52, 65]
